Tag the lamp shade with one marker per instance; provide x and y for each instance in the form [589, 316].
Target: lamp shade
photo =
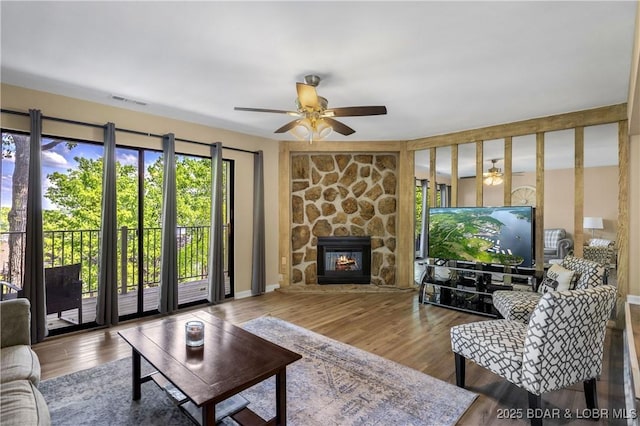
[311, 131]
[593, 223]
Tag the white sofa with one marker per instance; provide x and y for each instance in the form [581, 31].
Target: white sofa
[21, 403]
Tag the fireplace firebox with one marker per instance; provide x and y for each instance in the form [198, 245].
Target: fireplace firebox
[344, 260]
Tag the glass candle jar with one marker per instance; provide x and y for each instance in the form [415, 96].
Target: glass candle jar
[194, 333]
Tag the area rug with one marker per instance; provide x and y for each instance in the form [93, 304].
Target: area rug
[333, 384]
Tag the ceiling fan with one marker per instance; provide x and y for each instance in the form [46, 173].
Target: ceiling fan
[315, 120]
[494, 175]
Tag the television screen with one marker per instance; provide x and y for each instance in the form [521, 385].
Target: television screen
[490, 235]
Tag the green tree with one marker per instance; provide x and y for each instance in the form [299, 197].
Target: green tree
[78, 193]
[16, 146]
[193, 192]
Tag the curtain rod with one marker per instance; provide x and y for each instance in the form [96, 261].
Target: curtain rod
[118, 129]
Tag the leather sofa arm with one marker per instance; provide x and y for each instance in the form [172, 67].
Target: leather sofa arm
[15, 317]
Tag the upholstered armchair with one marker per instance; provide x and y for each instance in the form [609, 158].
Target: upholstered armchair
[545, 354]
[557, 244]
[518, 305]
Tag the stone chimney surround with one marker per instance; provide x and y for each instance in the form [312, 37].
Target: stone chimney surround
[343, 194]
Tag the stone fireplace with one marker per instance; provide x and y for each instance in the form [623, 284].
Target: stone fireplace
[343, 195]
[344, 260]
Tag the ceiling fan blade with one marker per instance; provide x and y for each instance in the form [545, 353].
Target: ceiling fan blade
[290, 125]
[307, 96]
[356, 111]
[339, 127]
[277, 111]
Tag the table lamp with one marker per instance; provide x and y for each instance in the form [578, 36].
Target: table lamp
[593, 223]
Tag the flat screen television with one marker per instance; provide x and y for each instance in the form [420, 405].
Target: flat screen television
[488, 235]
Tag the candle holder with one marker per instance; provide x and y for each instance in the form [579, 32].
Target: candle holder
[194, 333]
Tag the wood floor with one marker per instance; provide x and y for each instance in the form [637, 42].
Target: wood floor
[392, 325]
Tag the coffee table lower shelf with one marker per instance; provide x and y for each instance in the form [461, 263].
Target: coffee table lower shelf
[234, 407]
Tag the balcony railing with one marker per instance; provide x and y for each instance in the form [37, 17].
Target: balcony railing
[66, 247]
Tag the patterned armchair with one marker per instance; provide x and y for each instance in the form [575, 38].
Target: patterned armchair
[604, 255]
[544, 355]
[518, 305]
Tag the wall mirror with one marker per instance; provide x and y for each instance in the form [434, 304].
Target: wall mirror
[443, 176]
[601, 181]
[523, 166]
[422, 172]
[559, 180]
[493, 176]
[466, 175]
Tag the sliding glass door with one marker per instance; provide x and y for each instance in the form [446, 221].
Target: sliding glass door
[72, 198]
[71, 209]
[139, 286]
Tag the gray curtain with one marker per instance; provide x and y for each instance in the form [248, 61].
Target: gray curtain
[34, 285]
[258, 267]
[216, 251]
[107, 301]
[168, 296]
[425, 226]
[445, 194]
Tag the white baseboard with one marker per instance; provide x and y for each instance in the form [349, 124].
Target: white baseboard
[633, 298]
[247, 293]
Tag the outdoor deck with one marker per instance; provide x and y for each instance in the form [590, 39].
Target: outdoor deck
[128, 303]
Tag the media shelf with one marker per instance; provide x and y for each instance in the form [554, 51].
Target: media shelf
[469, 287]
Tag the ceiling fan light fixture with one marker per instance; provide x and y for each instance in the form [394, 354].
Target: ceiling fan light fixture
[323, 130]
[314, 119]
[493, 180]
[302, 130]
[493, 176]
[310, 131]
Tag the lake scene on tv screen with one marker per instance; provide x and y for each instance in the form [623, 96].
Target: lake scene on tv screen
[491, 235]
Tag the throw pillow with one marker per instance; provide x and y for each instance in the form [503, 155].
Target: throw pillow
[599, 242]
[557, 279]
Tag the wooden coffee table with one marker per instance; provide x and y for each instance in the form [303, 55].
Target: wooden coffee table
[230, 361]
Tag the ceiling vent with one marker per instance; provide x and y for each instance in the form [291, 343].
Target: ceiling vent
[127, 100]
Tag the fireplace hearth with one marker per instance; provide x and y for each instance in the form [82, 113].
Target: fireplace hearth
[344, 260]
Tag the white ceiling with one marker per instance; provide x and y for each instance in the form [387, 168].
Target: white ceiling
[437, 66]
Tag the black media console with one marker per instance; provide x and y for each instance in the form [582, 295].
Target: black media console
[469, 287]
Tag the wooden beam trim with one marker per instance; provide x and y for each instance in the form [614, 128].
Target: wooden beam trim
[405, 228]
[454, 176]
[591, 117]
[622, 235]
[539, 229]
[508, 169]
[578, 191]
[432, 178]
[333, 146]
[284, 244]
[479, 172]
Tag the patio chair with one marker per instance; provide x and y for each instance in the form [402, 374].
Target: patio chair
[64, 290]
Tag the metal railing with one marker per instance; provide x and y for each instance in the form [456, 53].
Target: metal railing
[66, 247]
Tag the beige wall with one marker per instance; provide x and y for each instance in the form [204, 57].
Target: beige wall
[601, 197]
[21, 99]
